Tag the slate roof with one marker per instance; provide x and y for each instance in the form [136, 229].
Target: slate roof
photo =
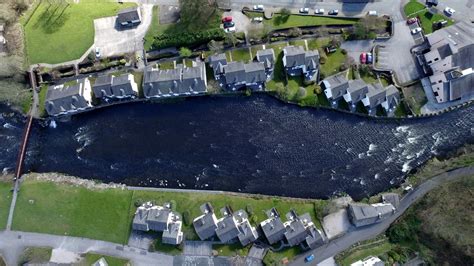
[104, 80]
[392, 96]
[128, 15]
[392, 198]
[362, 211]
[375, 96]
[336, 85]
[58, 92]
[227, 226]
[295, 56]
[273, 227]
[121, 80]
[206, 224]
[247, 234]
[267, 57]
[314, 238]
[238, 72]
[217, 63]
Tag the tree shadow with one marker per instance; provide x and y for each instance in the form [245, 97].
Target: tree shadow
[280, 19]
[53, 18]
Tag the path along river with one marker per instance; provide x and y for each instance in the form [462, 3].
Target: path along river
[250, 144]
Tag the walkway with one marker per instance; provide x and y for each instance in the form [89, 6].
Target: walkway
[361, 234]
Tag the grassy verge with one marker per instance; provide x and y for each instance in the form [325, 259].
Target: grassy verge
[281, 257]
[413, 7]
[91, 258]
[333, 63]
[283, 22]
[42, 100]
[154, 29]
[241, 55]
[415, 97]
[376, 248]
[231, 250]
[60, 209]
[166, 65]
[168, 249]
[61, 32]
[35, 255]
[5, 200]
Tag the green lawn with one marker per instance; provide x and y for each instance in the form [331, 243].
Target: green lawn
[232, 250]
[188, 205]
[275, 258]
[241, 55]
[62, 32]
[91, 258]
[42, 100]
[47, 207]
[416, 9]
[254, 49]
[333, 63]
[5, 200]
[281, 22]
[35, 255]
[166, 65]
[363, 253]
[155, 28]
[298, 43]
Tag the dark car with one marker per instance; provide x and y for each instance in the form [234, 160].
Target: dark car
[411, 21]
[333, 12]
[229, 25]
[369, 58]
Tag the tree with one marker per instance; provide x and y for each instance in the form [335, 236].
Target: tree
[185, 52]
[230, 39]
[285, 12]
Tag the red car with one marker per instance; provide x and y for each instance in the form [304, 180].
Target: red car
[227, 19]
[363, 58]
[411, 21]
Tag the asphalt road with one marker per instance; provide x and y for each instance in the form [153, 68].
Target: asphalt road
[340, 244]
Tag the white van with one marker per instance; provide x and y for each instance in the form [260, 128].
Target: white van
[372, 13]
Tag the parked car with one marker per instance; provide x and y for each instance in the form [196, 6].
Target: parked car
[229, 25]
[449, 11]
[331, 49]
[333, 12]
[97, 53]
[309, 258]
[258, 7]
[227, 19]
[231, 29]
[304, 10]
[257, 19]
[319, 11]
[411, 21]
[372, 13]
[416, 30]
[363, 58]
[369, 58]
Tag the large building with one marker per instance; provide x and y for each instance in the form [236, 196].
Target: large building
[206, 224]
[364, 214]
[67, 99]
[150, 217]
[179, 81]
[297, 62]
[300, 230]
[128, 17]
[273, 227]
[449, 63]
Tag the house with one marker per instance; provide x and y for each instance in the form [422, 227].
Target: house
[248, 234]
[273, 227]
[335, 86]
[297, 227]
[173, 234]
[375, 97]
[267, 57]
[217, 63]
[66, 99]
[206, 224]
[180, 81]
[115, 87]
[364, 214]
[392, 99]
[297, 62]
[356, 91]
[369, 261]
[238, 75]
[392, 198]
[227, 228]
[449, 63]
[314, 238]
[150, 217]
[128, 17]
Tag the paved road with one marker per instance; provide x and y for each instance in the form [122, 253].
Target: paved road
[13, 242]
[340, 244]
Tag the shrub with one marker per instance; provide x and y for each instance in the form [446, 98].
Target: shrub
[322, 60]
[343, 51]
[187, 39]
[185, 52]
[186, 218]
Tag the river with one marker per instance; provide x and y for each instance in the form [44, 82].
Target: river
[245, 144]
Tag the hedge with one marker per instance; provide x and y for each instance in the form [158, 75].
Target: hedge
[187, 39]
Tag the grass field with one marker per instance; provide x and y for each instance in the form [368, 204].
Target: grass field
[5, 200]
[155, 28]
[241, 55]
[42, 100]
[283, 22]
[62, 32]
[359, 254]
[47, 207]
[333, 63]
[91, 258]
[413, 7]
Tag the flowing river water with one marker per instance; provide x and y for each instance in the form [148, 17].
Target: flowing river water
[250, 144]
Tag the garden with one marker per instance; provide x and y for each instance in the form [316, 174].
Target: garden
[426, 16]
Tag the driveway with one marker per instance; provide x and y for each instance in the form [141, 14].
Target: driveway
[368, 232]
[242, 22]
[355, 48]
[114, 42]
[464, 9]
[394, 54]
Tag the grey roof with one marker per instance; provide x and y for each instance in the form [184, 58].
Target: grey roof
[392, 198]
[128, 15]
[173, 235]
[295, 56]
[337, 84]
[360, 211]
[392, 96]
[459, 35]
[267, 57]
[104, 80]
[206, 224]
[120, 80]
[238, 72]
[58, 92]
[157, 218]
[227, 229]
[273, 227]
[314, 238]
[139, 220]
[217, 63]
[357, 90]
[375, 96]
[247, 234]
[296, 227]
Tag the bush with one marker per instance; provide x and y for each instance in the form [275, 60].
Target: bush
[322, 60]
[343, 51]
[185, 52]
[187, 218]
[187, 39]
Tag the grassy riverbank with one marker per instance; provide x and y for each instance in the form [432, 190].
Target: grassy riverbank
[5, 200]
[105, 214]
